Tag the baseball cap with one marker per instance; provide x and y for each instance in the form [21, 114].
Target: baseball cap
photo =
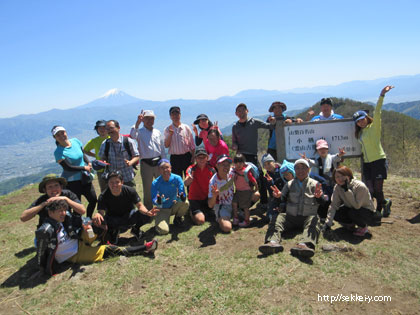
[241, 105]
[222, 158]
[200, 151]
[321, 143]
[360, 114]
[100, 123]
[174, 109]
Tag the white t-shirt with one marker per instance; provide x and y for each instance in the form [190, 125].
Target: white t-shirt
[225, 187]
[67, 247]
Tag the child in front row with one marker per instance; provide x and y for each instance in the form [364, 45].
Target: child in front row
[246, 190]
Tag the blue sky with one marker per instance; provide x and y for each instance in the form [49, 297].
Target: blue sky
[61, 54]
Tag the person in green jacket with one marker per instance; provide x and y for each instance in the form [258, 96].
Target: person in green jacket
[374, 171]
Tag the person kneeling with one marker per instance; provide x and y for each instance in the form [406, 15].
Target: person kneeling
[302, 196]
[198, 178]
[117, 209]
[63, 237]
[351, 203]
[168, 193]
[221, 192]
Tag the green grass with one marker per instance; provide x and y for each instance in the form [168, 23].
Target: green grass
[228, 276]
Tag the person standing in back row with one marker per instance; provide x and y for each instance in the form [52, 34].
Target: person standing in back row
[121, 152]
[180, 141]
[151, 149]
[245, 141]
[375, 166]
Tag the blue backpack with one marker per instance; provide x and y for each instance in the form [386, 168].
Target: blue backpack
[254, 171]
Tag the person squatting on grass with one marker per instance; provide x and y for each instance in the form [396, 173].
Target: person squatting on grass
[63, 237]
[120, 208]
[76, 167]
[302, 196]
[274, 177]
[221, 193]
[323, 166]
[198, 178]
[246, 190]
[375, 166]
[168, 194]
[52, 188]
[351, 203]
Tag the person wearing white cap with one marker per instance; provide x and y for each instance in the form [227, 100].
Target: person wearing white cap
[76, 167]
[302, 196]
[151, 149]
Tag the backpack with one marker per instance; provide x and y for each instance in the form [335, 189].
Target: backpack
[126, 147]
[254, 171]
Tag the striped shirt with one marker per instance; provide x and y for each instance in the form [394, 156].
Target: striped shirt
[182, 139]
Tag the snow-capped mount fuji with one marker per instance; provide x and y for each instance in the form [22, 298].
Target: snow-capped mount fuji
[114, 97]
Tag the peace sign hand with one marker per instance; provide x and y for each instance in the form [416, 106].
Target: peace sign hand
[341, 152]
[214, 190]
[276, 191]
[318, 190]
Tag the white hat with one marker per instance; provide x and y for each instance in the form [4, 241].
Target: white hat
[302, 161]
[149, 113]
[57, 129]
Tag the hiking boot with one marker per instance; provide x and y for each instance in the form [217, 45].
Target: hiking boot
[113, 237]
[361, 231]
[349, 226]
[302, 250]
[270, 248]
[387, 208]
[235, 221]
[137, 233]
[151, 246]
[179, 221]
[244, 223]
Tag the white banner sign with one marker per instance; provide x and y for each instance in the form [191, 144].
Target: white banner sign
[301, 138]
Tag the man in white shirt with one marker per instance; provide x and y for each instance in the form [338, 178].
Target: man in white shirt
[152, 150]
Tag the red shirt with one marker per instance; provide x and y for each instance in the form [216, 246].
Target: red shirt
[199, 188]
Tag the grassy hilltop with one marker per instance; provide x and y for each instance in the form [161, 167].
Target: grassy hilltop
[200, 270]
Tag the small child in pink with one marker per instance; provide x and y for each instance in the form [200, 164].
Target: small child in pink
[246, 190]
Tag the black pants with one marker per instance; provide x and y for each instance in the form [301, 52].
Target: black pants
[133, 218]
[361, 217]
[86, 190]
[262, 187]
[180, 163]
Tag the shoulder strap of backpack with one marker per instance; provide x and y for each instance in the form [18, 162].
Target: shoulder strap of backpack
[127, 147]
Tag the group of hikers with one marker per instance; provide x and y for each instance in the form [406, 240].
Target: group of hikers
[202, 180]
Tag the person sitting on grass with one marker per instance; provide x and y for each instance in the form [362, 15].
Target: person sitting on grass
[117, 209]
[52, 188]
[168, 193]
[246, 190]
[273, 177]
[198, 178]
[351, 203]
[302, 196]
[63, 237]
[221, 192]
